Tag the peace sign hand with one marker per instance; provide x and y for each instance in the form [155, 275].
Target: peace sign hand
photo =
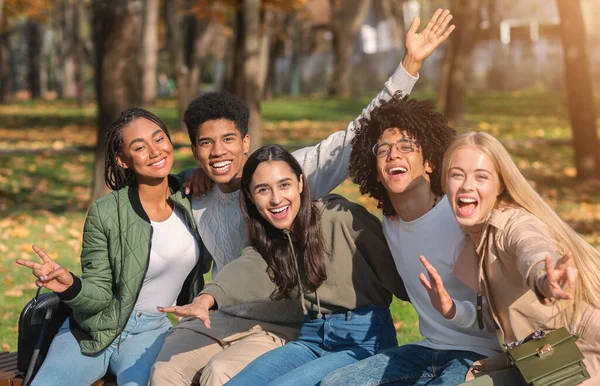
[420, 45]
[558, 276]
[440, 299]
[49, 274]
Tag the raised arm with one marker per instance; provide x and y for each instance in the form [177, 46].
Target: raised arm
[325, 165]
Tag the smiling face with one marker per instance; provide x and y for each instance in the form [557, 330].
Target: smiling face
[398, 172]
[473, 186]
[147, 151]
[221, 152]
[275, 191]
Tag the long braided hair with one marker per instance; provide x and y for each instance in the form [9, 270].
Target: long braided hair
[116, 177]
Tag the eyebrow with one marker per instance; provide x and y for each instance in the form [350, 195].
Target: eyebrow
[231, 134]
[267, 185]
[141, 140]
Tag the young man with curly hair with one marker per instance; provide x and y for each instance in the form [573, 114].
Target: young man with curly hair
[396, 158]
[218, 127]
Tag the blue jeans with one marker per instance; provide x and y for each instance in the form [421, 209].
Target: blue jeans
[324, 345]
[410, 364]
[141, 341]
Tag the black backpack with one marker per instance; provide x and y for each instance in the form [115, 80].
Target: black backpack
[39, 322]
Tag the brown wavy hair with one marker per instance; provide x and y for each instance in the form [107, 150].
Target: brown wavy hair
[273, 243]
[421, 121]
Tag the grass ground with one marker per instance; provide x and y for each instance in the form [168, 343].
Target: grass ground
[44, 194]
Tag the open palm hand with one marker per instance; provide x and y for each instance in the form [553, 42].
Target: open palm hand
[420, 45]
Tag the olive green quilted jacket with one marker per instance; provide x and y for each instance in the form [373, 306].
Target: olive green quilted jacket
[102, 298]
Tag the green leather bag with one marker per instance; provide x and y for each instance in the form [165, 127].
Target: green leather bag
[553, 360]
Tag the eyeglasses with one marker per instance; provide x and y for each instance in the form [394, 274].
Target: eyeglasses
[404, 146]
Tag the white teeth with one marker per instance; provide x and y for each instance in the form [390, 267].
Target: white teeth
[221, 164]
[279, 210]
[398, 169]
[158, 162]
[467, 200]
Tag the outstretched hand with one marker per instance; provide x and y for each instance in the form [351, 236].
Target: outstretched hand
[198, 182]
[49, 273]
[560, 275]
[420, 45]
[198, 308]
[440, 300]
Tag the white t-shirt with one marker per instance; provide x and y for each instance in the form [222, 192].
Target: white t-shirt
[437, 236]
[173, 255]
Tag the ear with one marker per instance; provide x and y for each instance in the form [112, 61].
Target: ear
[246, 143]
[429, 167]
[121, 161]
[301, 183]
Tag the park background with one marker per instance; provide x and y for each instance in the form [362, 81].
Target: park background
[522, 70]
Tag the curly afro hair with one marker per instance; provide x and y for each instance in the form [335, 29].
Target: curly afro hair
[213, 106]
[421, 121]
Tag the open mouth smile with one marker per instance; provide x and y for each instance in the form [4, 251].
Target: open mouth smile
[279, 213]
[466, 206]
[221, 167]
[396, 171]
[159, 164]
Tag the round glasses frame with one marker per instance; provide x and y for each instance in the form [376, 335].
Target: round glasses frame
[403, 146]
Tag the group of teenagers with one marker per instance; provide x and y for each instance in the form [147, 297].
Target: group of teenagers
[302, 279]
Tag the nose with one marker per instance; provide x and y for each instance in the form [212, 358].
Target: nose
[155, 151]
[217, 150]
[275, 197]
[467, 184]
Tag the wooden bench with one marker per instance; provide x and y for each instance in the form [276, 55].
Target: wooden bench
[11, 376]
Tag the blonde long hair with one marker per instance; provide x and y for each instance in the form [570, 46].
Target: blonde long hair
[517, 192]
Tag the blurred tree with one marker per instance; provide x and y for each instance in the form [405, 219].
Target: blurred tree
[34, 45]
[580, 96]
[67, 40]
[5, 78]
[457, 63]
[184, 34]
[252, 69]
[149, 55]
[347, 17]
[116, 31]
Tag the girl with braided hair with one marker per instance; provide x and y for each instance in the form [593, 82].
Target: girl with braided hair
[129, 264]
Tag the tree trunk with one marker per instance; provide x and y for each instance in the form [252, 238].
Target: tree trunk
[79, 54]
[580, 96]
[194, 51]
[253, 86]
[184, 50]
[149, 56]
[116, 28]
[5, 75]
[175, 42]
[457, 64]
[43, 67]
[347, 17]
[67, 49]
[235, 71]
[33, 57]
